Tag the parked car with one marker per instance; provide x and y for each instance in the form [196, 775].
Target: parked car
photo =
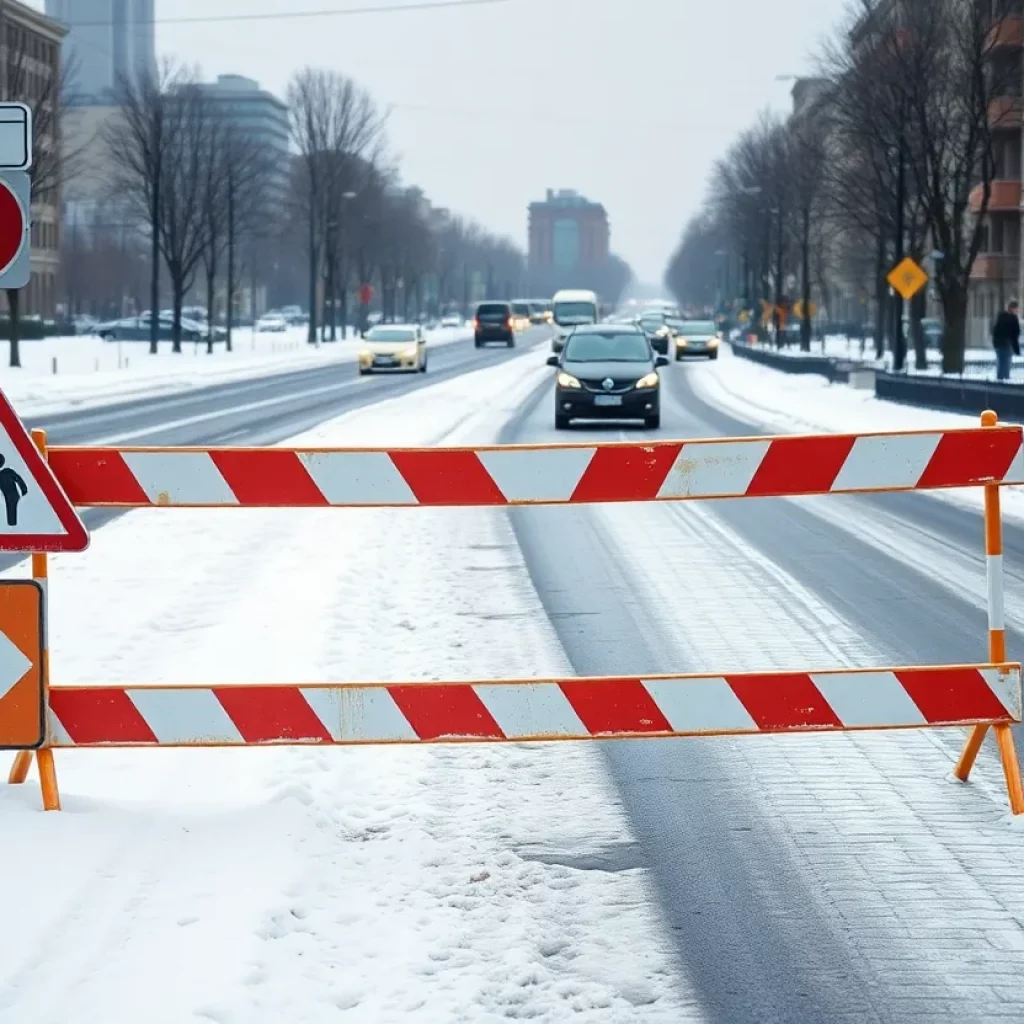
[452, 320]
[272, 323]
[137, 328]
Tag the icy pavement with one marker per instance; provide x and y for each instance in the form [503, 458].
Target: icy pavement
[918, 874]
[93, 372]
[786, 403]
[243, 887]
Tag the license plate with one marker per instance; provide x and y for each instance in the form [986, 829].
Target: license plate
[385, 361]
[607, 399]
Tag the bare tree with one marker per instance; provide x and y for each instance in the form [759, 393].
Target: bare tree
[336, 127]
[139, 142]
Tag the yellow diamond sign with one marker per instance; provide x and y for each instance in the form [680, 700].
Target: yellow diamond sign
[907, 278]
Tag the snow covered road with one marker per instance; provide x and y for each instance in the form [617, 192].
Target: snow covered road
[366, 885]
[791, 879]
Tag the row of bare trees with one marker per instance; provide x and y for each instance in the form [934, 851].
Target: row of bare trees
[362, 227]
[202, 185]
[892, 152]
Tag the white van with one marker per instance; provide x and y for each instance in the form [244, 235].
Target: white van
[569, 309]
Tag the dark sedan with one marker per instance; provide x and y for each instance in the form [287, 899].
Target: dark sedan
[607, 371]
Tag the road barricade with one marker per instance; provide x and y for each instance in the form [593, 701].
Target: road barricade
[979, 696]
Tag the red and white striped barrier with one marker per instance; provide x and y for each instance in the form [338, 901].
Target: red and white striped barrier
[539, 475]
[544, 709]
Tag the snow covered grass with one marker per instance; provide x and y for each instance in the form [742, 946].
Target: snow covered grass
[806, 404]
[95, 372]
[369, 884]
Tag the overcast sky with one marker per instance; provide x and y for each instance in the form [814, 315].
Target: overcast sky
[628, 101]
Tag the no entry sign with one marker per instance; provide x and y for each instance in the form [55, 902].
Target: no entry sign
[15, 204]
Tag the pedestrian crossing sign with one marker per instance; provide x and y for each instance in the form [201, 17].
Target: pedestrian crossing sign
[35, 513]
[907, 278]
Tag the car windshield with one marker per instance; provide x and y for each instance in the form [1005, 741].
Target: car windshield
[391, 334]
[607, 348]
[521, 309]
[699, 328]
[575, 312]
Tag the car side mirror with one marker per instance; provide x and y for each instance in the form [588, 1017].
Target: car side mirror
[552, 360]
[661, 361]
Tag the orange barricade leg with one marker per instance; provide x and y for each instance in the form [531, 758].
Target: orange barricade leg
[996, 646]
[44, 756]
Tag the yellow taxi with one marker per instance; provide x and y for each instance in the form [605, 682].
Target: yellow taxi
[393, 348]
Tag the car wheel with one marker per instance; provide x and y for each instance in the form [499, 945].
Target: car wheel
[511, 342]
[363, 373]
[477, 343]
[653, 422]
[561, 422]
[423, 366]
[713, 355]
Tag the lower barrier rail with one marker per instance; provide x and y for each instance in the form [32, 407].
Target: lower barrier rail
[975, 696]
[523, 710]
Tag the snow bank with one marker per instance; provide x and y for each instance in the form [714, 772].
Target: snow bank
[93, 372]
[371, 884]
[789, 403]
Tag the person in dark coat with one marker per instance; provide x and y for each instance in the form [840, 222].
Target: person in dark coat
[1006, 339]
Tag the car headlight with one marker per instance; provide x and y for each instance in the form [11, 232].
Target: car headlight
[682, 342]
[365, 354]
[714, 342]
[567, 380]
[650, 381]
[410, 353]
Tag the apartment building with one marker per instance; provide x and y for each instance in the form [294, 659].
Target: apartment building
[30, 56]
[996, 276]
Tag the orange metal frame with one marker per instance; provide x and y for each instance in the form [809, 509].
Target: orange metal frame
[997, 656]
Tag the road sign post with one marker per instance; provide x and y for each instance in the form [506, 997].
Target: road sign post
[15, 137]
[35, 513]
[22, 690]
[907, 278]
[15, 223]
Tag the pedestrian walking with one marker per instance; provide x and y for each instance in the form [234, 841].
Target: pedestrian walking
[1006, 339]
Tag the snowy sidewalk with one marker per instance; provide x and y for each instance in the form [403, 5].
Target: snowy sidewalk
[93, 372]
[379, 884]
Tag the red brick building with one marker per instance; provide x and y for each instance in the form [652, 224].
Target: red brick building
[568, 234]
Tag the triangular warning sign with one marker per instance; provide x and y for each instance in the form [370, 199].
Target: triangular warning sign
[35, 513]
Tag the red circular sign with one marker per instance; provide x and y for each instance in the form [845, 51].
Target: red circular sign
[366, 294]
[12, 226]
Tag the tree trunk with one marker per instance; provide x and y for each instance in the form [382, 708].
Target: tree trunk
[805, 281]
[344, 309]
[14, 308]
[154, 278]
[314, 270]
[178, 292]
[918, 307]
[211, 283]
[954, 306]
[230, 312]
[881, 295]
[332, 287]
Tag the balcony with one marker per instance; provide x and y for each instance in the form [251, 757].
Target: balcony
[1007, 34]
[1004, 198]
[994, 266]
[1005, 112]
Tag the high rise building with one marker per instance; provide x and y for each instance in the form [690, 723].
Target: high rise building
[260, 116]
[108, 40]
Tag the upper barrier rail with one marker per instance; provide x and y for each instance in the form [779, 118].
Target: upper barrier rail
[552, 474]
